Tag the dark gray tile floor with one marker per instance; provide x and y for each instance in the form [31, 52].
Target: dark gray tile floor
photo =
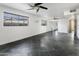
[48, 44]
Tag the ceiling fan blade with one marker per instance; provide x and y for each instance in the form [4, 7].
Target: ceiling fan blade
[43, 7]
[37, 10]
[37, 4]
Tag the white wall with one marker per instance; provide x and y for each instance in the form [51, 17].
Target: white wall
[42, 28]
[78, 26]
[13, 33]
[63, 26]
[52, 25]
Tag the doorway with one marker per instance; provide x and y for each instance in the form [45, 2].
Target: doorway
[71, 25]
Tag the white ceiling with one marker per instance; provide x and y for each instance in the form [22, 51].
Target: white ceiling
[57, 9]
[54, 9]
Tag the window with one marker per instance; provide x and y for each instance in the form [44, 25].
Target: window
[11, 19]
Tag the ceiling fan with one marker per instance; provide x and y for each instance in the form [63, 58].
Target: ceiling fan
[37, 6]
